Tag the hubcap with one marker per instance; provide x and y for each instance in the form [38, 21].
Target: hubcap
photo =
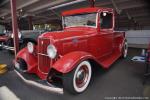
[82, 76]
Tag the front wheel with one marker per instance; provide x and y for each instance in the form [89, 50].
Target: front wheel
[21, 65]
[78, 80]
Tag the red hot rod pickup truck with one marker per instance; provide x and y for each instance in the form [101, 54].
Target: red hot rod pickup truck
[87, 37]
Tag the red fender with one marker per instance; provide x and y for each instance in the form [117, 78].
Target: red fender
[119, 39]
[29, 58]
[69, 61]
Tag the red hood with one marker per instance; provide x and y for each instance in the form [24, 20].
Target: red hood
[69, 32]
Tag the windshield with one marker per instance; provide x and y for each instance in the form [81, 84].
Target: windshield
[88, 19]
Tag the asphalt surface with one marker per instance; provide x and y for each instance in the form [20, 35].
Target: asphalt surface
[123, 79]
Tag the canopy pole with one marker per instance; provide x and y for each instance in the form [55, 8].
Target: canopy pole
[14, 25]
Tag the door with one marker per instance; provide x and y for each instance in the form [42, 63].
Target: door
[106, 33]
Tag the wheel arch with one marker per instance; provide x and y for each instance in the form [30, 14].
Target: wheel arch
[95, 64]
[30, 59]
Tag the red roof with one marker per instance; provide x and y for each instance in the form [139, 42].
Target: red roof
[84, 10]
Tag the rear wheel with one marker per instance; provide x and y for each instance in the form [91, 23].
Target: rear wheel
[78, 80]
[125, 50]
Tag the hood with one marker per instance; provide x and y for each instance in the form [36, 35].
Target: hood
[30, 34]
[68, 33]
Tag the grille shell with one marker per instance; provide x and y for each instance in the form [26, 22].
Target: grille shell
[44, 62]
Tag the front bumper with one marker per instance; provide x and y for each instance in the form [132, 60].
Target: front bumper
[42, 84]
[8, 47]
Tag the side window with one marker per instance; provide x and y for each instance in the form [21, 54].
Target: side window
[106, 20]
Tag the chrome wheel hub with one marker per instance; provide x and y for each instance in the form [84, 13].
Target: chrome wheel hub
[82, 76]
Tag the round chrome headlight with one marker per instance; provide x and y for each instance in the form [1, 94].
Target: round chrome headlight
[30, 47]
[51, 51]
[12, 35]
[19, 35]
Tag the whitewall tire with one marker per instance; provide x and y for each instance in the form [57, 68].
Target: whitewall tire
[78, 80]
[125, 49]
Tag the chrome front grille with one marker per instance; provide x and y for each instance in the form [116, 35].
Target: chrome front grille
[44, 63]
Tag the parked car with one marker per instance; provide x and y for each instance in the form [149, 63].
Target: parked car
[24, 37]
[3, 38]
[88, 38]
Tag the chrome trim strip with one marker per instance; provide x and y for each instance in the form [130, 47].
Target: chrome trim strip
[44, 38]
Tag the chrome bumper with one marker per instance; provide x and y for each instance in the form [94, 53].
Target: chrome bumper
[48, 87]
[7, 47]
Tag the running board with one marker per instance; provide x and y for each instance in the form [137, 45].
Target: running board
[48, 87]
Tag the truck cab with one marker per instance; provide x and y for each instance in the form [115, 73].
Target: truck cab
[87, 37]
[97, 22]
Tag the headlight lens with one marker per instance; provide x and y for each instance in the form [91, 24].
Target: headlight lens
[12, 35]
[51, 51]
[19, 35]
[30, 47]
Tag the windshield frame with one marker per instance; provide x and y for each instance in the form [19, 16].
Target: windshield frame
[96, 20]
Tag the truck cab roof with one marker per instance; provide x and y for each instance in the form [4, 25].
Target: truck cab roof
[85, 10]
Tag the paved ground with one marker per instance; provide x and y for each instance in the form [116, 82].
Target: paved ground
[124, 78]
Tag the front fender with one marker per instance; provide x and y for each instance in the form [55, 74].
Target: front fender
[69, 61]
[30, 59]
[119, 40]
